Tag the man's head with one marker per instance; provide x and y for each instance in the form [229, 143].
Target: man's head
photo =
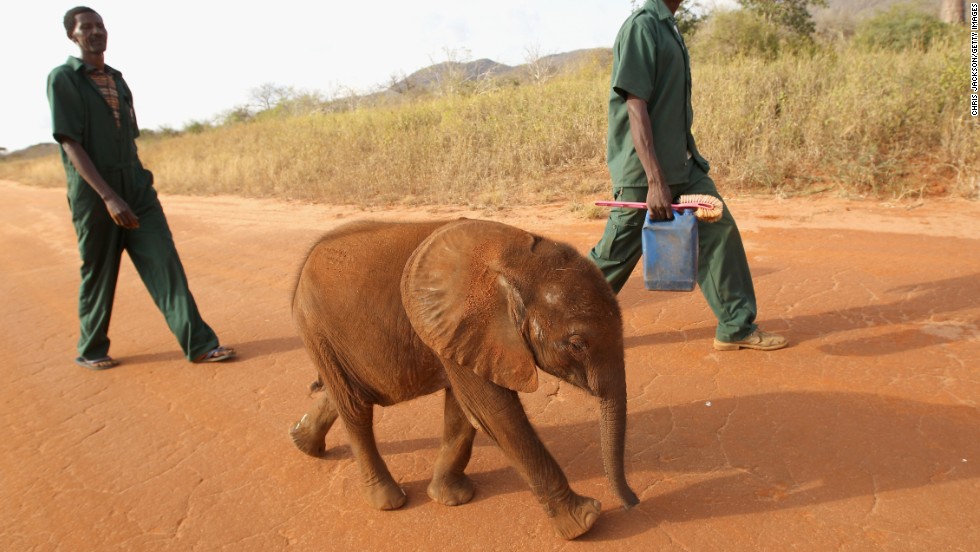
[85, 28]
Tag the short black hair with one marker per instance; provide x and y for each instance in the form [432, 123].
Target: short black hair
[70, 17]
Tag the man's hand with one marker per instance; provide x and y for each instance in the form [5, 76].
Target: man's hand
[658, 202]
[118, 209]
[121, 213]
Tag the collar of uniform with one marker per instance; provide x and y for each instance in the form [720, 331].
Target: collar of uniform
[77, 64]
[658, 9]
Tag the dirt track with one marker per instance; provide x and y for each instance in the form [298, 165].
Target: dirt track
[864, 435]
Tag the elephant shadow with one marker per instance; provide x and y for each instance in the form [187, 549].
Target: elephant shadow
[754, 454]
[910, 303]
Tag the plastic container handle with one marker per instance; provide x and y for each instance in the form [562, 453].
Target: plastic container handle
[639, 205]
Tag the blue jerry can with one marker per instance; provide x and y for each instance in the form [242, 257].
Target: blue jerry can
[670, 253]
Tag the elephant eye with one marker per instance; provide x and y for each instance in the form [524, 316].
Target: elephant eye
[577, 344]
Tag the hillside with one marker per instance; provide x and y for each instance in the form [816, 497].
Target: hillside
[31, 152]
[852, 11]
[864, 7]
[446, 73]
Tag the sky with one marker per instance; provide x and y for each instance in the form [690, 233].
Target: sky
[192, 60]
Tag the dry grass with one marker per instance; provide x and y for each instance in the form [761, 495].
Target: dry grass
[45, 171]
[875, 124]
[488, 149]
[879, 124]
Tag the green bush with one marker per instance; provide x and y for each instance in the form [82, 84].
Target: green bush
[901, 27]
[742, 33]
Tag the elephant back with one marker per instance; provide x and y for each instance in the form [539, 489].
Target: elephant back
[347, 308]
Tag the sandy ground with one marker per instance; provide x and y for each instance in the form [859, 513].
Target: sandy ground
[863, 435]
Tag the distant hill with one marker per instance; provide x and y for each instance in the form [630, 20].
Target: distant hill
[30, 152]
[865, 7]
[852, 11]
[575, 58]
[435, 76]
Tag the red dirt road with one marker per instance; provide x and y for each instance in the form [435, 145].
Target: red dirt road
[863, 435]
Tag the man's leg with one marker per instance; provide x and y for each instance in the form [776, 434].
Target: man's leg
[100, 247]
[723, 270]
[151, 247]
[621, 245]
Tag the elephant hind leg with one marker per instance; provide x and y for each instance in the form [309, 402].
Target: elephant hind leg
[309, 434]
[450, 486]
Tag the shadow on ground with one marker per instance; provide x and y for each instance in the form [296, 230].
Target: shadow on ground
[757, 453]
[908, 304]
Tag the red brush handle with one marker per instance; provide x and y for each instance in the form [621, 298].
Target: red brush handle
[638, 205]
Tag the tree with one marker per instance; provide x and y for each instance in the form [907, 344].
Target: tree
[447, 78]
[952, 11]
[268, 95]
[537, 67]
[793, 15]
[900, 27]
[235, 115]
[689, 17]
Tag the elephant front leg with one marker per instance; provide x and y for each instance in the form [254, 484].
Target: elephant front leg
[500, 414]
[380, 488]
[450, 486]
[310, 432]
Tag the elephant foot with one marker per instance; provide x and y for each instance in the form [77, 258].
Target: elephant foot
[575, 518]
[307, 439]
[385, 496]
[451, 491]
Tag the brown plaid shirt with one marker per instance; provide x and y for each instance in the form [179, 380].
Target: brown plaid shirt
[107, 87]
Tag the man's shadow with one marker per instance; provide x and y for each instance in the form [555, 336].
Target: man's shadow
[752, 454]
[256, 348]
[918, 302]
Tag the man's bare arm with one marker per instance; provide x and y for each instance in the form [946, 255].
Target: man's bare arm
[658, 193]
[118, 209]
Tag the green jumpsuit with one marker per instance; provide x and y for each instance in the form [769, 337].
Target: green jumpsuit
[650, 61]
[79, 112]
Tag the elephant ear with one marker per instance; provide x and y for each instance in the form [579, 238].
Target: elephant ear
[464, 306]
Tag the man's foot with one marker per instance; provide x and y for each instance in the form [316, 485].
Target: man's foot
[217, 354]
[103, 363]
[758, 340]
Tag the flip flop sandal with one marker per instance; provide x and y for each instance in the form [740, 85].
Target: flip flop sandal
[217, 354]
[103, 363]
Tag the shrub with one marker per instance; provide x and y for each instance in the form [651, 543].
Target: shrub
[901, 27]
[742, 33]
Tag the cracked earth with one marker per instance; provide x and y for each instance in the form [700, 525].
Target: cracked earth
[863, 435]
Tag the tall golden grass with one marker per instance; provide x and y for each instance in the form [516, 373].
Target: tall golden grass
[845, 121]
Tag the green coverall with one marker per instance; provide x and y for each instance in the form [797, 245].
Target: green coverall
[650, 61]
[79, 112]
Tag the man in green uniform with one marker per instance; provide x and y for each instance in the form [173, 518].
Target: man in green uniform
[113, 204]
[652, 158]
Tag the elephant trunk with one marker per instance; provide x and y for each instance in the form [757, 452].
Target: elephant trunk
[612, 426]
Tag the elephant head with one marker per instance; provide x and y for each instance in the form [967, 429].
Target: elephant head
[503, 302]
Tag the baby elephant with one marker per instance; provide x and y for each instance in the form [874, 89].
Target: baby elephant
[392, 311]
